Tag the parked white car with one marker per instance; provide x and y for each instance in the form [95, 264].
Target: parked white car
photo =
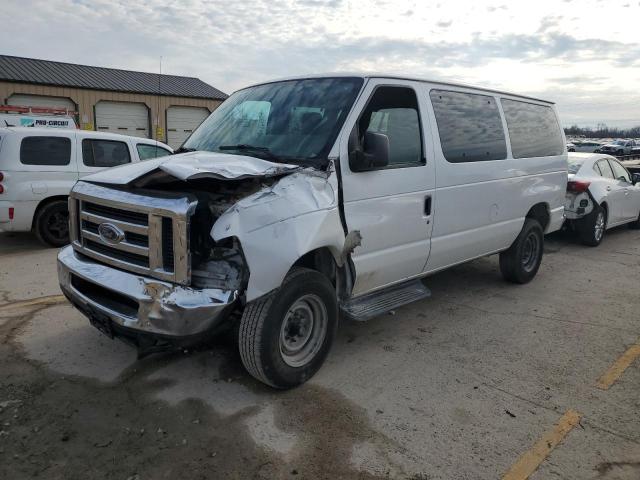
[587, 146]
[307, 198]
[38, 167]
[618, 147]
[601, 194]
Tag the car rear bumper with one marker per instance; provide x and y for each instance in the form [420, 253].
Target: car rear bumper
[124, 304]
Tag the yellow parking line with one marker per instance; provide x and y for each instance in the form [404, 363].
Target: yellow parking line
[531, 460]
[619, 366]
[50, 300]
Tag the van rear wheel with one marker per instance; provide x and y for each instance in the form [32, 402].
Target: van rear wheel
[520, 263]
[285, 337]
[51, 224]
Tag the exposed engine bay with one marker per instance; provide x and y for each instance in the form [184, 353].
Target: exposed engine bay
[213, 264]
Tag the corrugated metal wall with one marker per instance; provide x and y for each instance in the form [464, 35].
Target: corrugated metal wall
[86, 100]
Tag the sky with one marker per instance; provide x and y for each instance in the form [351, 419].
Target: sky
[583, 55]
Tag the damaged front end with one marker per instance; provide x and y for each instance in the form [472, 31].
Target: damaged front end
[163, 254]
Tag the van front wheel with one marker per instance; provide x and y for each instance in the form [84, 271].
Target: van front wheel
[285, 336]
[520, 263]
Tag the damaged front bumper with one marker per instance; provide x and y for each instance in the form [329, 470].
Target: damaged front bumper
[142, 310]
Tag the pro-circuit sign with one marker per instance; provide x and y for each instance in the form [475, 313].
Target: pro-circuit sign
[13, 120]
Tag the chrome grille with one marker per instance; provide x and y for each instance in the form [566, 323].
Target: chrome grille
[153, 230]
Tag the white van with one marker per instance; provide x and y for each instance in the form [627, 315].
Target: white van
[38, 167]
[305, 199]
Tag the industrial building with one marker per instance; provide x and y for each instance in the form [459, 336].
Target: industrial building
[151, 105]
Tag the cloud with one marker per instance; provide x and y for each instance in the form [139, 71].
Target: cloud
[232, 44]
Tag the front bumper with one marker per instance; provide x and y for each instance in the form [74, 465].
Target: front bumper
[129, 305]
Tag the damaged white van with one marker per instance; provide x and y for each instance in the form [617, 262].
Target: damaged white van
[300, 201]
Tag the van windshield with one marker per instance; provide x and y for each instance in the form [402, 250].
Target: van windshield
[294, 121]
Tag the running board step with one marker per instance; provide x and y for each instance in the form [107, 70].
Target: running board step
[377, 303]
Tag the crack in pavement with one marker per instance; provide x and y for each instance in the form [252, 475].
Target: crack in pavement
[40, 301]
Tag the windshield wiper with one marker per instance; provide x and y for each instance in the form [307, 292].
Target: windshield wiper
[243, 147]
[184, 150]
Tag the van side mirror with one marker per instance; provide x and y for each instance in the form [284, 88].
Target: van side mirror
[374, 153]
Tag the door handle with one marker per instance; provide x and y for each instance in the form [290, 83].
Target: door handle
[427, 205]
[608, 189]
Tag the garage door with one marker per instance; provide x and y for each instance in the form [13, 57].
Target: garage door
[181, 121]
[41, 101]
[122, 117]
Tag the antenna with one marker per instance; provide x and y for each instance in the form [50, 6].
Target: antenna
[158, 110]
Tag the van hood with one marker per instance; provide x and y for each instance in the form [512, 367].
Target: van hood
[194, 165]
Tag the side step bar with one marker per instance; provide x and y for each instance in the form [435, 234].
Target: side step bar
[377, 303]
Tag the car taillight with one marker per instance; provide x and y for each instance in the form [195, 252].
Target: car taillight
[577, 186]
[11, 212]
[1, 178]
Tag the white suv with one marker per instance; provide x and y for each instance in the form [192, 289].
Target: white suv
[38, 167]
[305, 199]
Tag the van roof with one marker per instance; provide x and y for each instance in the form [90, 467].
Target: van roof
[84, 133]
[366, 76]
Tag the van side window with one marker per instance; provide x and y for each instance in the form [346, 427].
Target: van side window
[469, 126]
[605, 169]
[45, 151]
[146, 151]
[533, 129]
[393, 111]
[620, 172]
[104, 153]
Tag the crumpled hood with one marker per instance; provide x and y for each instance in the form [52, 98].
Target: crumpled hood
[193, 165]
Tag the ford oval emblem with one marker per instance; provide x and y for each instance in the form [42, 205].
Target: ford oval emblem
[109, 233]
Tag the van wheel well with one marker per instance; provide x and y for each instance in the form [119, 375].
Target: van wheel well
[540, 212]
[320, 260]
[44, 203]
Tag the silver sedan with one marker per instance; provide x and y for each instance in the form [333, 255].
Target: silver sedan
[601, 194]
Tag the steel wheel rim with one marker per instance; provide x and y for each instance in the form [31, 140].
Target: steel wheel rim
[599, 227]
[530, 252]
[58, 225]
[303, 330]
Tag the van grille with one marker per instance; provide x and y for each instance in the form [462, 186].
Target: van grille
[143, 229]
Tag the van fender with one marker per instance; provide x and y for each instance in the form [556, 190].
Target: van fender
[279, 224]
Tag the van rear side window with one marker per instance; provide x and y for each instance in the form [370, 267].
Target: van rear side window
[45, 151]
[533, 129]
[469, 125]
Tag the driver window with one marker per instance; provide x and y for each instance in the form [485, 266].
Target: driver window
[393, 111]
[620, 172]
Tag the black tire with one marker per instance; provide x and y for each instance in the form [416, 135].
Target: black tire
[264, 334]
[593, 227]
[520, 263]
[51, 224]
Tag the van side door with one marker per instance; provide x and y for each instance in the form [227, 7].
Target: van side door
[478, 202]
[391, 206]
[95, 153]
